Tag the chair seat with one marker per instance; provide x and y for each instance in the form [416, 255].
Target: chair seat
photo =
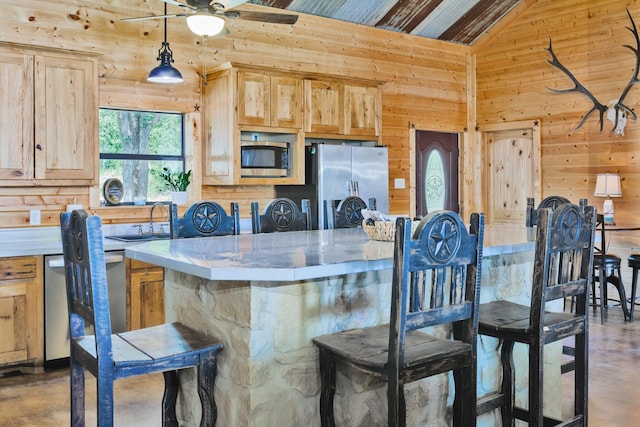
[154, 349]
[634, 260]
[509, 320]
[609, 260]
[368, 348]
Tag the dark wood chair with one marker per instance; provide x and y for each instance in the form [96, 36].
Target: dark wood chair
[204, 219]
[551, 202]
[436, 281]
[633, 261]
[562, 269]
[346, 213]
[108, 357]
[606, 269]
[281, 214]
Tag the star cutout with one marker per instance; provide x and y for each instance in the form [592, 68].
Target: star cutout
[445, 238]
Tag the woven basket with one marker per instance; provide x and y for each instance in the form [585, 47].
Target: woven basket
[385, 230]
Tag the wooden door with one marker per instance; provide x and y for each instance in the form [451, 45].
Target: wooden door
[323, 106]
[362, 110]
[253, 99]
[21, 310]
[437, 168]
[66, 118]
[16, 120]
[145, 295]
[286, 102]
[512, 170]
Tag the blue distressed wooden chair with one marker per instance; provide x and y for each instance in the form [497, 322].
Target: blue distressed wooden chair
[436, 281]
[562, 269]
[108, 357]
[206, 218]
[281, 214]
[551, 202]
[346, 213]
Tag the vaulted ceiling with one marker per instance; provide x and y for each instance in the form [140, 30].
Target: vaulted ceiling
[458, 21]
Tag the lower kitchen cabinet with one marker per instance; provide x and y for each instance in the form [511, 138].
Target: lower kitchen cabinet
[21, 314]
[145, 294]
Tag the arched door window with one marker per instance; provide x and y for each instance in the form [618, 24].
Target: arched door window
[435, 182]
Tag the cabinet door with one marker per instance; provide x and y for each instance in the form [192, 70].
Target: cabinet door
[16, 120]
[21, 310]
[286, 102]
[362, 110]
[253, 99]
[145, 295]
[323, 107]
[65, 118]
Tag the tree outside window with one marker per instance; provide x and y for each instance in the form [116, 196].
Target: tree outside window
[135, 146]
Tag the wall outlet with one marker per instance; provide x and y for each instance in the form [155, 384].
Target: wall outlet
[398, 183]
[34, 216]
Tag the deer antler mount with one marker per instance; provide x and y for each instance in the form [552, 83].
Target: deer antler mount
[617, 111]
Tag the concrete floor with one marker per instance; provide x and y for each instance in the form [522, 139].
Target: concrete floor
[42, 400]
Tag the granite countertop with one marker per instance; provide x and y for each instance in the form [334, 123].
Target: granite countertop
[297, 255]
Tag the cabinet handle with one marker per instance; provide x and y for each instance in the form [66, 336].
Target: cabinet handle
[38, 147]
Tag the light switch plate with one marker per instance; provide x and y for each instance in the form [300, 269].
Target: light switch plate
[398, 183]
[34, 217]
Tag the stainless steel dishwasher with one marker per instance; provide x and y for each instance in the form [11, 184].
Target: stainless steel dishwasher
[56, 314]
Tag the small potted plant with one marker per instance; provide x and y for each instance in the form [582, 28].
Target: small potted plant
[177, 182]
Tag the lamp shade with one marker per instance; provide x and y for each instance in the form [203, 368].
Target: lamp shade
[608, 185]
[165, 72]
[205, 24]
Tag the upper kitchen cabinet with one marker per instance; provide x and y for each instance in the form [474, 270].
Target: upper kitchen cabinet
[49, 101]
[240, 102]
[335, 108]
[269, 100]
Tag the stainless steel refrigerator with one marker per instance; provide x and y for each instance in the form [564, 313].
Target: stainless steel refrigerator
[334, 172]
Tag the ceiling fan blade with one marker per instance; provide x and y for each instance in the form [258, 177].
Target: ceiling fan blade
[177, 3]
[274, 18]
[145, 18]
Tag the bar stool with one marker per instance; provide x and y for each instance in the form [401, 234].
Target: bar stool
[634, 264]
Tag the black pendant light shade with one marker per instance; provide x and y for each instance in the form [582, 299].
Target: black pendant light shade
[165, 72]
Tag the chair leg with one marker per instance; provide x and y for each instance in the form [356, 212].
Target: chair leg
[328, 388]
[464, 403]
[169, 398]
[581, 383]
[603, 287]
[77, 389]
[207, 370]
[508, 388]
[634, 283]
[536, 355]
[105, 399]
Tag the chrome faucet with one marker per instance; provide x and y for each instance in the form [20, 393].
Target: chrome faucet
[166, 215]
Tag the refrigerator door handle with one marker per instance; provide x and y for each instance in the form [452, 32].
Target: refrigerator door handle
[356, 187]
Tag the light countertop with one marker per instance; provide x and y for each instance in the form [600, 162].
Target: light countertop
[299, 255]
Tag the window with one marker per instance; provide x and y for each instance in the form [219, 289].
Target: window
[135, 146]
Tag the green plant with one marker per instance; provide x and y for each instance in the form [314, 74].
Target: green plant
[175, 181]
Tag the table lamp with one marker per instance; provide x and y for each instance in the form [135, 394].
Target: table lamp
[608, 185]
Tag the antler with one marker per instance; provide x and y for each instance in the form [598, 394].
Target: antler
[578, 87]
[634, 79]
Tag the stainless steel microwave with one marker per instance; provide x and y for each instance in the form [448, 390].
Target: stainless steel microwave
[264, 159]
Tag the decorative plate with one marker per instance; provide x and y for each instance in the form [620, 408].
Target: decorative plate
[113, 191]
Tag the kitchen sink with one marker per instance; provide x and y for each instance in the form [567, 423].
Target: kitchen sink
[140, 237]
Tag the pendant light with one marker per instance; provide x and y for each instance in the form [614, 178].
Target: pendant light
[165, 72]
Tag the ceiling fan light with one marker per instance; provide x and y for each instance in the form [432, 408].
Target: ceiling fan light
[205, 24]
[165, 72]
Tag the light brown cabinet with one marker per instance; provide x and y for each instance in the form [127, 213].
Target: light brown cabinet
[269, 100]
[145, 294]
[336, 108]
[49, 101]
[21, 313]
[239, 100]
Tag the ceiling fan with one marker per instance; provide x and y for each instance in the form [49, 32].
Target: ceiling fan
[207, 17]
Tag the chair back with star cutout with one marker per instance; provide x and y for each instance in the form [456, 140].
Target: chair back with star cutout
[281, 214]
[205, 218]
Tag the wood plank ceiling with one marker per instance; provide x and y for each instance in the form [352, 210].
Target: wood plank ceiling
[458, 21]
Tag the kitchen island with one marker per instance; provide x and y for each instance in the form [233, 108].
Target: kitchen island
[266, 296]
